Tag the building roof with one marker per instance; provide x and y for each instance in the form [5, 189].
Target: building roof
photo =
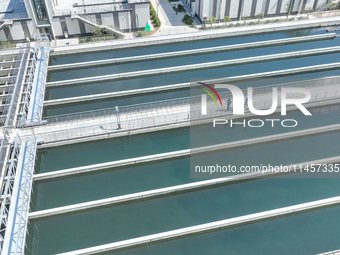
[13, 9]
[64, 7]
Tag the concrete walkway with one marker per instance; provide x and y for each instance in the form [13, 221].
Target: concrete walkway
[211, 226]
[151, 119]
[171, 23]
[172, 189]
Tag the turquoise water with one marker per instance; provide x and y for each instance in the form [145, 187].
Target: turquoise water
[187, 60]
[308, 233]
[114, 182]
[100, 151]
[275, 153]
[158, 80]
[136, 219]
[174, 78]
[138, 99]
[179, 46]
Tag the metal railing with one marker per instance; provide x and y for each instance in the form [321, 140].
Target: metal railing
[86, 115]
[28, 87]
[13, 91]
[3, 150]
[8, 177]
[113, 124]
[169, 112]
[34, 92]
[17, 195]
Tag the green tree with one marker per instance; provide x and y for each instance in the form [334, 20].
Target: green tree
[97, 31]
[226, 19]
[289, 8]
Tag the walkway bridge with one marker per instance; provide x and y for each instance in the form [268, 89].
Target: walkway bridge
[164, 114]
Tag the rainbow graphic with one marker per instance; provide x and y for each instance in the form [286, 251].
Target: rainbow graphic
[209, 93]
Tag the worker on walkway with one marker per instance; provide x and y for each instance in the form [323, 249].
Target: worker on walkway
[228, 103]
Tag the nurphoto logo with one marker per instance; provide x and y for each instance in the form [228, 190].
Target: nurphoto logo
[238, 103]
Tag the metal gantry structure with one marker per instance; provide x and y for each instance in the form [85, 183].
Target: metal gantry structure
[11, 67]
[23, 107]
[34, 86]
[10, 161]
[17, 214]
[15, 87]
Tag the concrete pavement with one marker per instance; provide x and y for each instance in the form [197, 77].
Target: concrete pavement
[171, 23]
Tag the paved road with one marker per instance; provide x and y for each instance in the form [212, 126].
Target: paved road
[171, 23]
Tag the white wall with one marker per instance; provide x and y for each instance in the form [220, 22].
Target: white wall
[222, 11]
[143, 13]
[320, 3]
[206, 8]
[284, 5]
[58, 31]
[218, 9]
[296, 5]
[234, 8]
[2, 36]
[16, 31]
[124, 20]
[88, 28]
[72, 26]
[260, 7]
[31, 27]
[247, 8]
[272, 7]
[309, 4]
[107, 19]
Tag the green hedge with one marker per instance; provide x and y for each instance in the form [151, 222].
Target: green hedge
[259, 16]
[180, 8]
[187, 20]
[154, 19]
[4, 44]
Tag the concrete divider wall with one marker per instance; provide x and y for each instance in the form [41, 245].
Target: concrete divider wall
[299, 70]
[195, 67]
[167, 191]
[187, 152]
[213, 226]
[194, 51]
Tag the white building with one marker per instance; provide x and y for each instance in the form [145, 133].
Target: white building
[20, 19]
[236, 9]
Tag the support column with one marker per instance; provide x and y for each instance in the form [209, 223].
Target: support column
[240, 10]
